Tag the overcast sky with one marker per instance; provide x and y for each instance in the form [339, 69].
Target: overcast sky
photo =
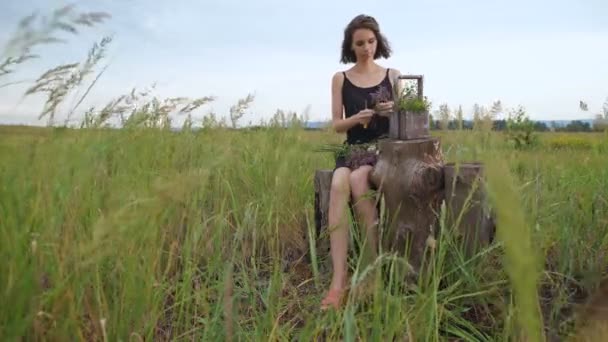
[543, 54]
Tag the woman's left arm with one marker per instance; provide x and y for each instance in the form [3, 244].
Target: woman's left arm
[397, 86]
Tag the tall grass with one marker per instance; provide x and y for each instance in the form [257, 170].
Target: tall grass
[107, 225]
[158, 234]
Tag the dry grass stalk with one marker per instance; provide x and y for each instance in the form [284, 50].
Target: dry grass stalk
[18, 50]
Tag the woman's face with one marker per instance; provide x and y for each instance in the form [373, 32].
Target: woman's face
[364, 44]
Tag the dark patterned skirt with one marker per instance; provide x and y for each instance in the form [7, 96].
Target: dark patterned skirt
[356, 156]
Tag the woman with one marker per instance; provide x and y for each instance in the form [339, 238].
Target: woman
[358, 111]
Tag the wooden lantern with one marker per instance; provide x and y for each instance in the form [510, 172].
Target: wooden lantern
[409, 125]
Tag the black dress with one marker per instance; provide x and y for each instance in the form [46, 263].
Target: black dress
[354, 100]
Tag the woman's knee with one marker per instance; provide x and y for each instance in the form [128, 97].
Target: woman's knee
[340, 184]
[359, 180]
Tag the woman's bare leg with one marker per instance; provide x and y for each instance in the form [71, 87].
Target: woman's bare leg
[365, 205]
[338, 225]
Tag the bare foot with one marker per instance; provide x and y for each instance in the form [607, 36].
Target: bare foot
[334, 299]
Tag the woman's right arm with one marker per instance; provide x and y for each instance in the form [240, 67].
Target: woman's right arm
[340, 124]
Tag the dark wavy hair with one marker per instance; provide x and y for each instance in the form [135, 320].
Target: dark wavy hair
[363, 21]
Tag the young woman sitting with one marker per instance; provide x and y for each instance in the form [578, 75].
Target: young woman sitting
[363, 115]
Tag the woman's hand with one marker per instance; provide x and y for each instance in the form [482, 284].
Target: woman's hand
[384, 108]
[364, 117]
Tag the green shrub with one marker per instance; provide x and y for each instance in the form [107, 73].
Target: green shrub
[520, 129]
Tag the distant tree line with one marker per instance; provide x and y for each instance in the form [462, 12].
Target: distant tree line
[501, 125]
[486, 118]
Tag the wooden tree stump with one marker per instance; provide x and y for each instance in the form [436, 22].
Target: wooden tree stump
[322, 186]
[466, 210]
[410, 176]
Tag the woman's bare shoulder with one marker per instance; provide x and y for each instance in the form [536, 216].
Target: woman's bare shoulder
[338, 78]
[394, 73]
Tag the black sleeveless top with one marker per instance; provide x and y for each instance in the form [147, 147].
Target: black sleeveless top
[355, 99]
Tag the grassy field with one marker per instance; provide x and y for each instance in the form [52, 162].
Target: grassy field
[129, 235]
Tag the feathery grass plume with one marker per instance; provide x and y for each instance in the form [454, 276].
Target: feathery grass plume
[600, 122]
[238, 110]
[142, 109]
[210, 121]
[285, 119]
[35, 30]
[478, 113]
[86, 93]
[59, 81]
[195, 104]
[279, 119]
[444, 116]
[13, 61]
[521, 260]
[116, 107]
